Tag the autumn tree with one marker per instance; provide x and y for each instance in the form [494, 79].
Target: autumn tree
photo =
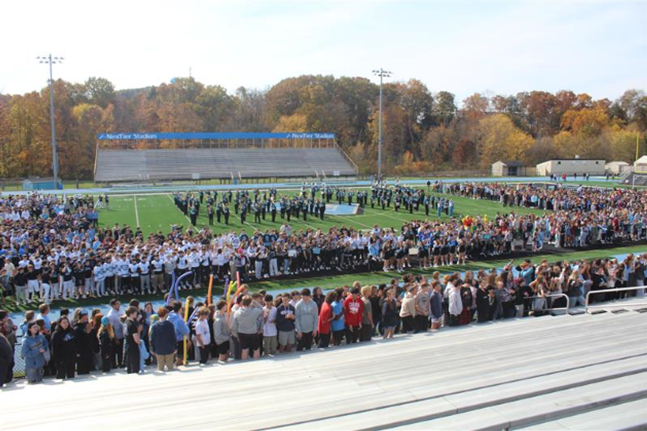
[476, 106]
[499, 139]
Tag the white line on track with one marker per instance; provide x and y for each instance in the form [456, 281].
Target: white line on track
[136, 211]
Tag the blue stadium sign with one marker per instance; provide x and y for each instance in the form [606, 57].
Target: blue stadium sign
[187, 136]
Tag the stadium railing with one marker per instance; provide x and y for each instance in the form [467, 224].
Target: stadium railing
[588, 307]
[556, 295]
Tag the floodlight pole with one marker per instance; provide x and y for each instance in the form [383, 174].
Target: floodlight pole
[52, 60]
[382, 74]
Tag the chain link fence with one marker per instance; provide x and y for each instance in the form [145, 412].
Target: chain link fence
[19, 362]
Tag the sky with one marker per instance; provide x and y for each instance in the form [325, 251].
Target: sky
[492, 47]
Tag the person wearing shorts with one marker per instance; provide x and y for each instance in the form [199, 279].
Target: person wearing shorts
[247, 325]
[221, 332]
[436, 306]
[285, 316]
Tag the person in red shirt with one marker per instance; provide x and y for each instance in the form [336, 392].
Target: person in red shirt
[325, 319]
[353, 314]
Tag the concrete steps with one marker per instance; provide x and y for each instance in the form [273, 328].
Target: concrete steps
[625, 416]
[513, 373]
[544, 408]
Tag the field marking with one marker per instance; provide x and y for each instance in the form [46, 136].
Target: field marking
[185, 216]
[348, 221]
[389, 216]
[136, 212]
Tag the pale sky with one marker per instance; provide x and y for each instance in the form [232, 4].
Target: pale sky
[498, 47]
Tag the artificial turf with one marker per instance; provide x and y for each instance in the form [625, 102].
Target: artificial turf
[158, 212]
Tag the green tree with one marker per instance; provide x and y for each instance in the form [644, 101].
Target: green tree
[100, 91]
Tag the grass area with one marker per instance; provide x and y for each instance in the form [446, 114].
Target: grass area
[332, 281]
[155, 212]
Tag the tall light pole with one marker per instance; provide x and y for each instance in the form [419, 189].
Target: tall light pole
[52, 60]
[382, 74]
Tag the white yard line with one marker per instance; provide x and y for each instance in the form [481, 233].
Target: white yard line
[136, 211]
[349, 220]
[387, 215]
[173, 202]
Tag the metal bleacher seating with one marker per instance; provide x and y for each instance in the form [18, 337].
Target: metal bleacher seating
[184, 164]
[584, 371]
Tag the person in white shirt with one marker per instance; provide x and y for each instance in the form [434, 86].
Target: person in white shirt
[182, 267]
[133, 268]
[99, 279]
[205, 256]
[194, 260]
[203, 335]
[270, 333]
[158, 274]
[455, 305]
[144, 276]
[170, 265]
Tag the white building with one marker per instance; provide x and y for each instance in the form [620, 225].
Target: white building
[616, 168]
[571, 166]
[640, 165]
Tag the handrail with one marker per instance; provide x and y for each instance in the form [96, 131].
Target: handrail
[618, 289]
[555, 295]
[347, 157]
[96, 156]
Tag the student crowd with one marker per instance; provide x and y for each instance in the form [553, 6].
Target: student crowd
[255, 324]
[51, 248]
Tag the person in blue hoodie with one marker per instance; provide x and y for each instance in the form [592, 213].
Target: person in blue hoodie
[181, 330]
[34, 348]
[338, 325]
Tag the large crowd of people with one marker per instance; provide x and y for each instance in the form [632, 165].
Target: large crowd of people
[255, 324]
[52, 248]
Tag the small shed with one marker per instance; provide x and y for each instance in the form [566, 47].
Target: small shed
[511, 169]
[37, 183]
[616, 168]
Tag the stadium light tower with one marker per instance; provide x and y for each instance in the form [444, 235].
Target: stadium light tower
[382, 74]
[52, 60]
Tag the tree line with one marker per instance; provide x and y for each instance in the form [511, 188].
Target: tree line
[423, 131]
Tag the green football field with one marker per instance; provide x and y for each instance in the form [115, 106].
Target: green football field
[157, 212]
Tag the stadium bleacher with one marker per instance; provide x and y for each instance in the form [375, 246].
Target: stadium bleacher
[585, 371]
[184, 164]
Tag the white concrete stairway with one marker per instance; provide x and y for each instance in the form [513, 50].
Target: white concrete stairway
[506, 374]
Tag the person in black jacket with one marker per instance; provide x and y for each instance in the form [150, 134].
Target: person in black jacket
[482, 304]
[64, 349]
[107, 340]
[95, 345]
[6, 358]
[132, 336]
[84, 357]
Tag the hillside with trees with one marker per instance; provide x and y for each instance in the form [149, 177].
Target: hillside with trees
[424, 131]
